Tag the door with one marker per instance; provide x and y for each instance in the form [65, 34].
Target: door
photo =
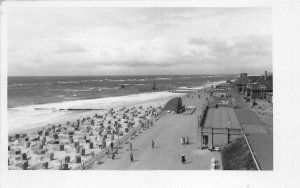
[205, 140]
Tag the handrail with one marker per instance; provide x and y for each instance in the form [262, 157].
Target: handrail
[253, 156]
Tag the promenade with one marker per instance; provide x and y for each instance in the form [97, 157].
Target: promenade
[167, 152]
[259, 134]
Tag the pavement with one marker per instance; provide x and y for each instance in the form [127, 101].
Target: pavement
[166, 155]
[259, 134]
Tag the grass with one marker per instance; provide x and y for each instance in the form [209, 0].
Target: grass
[237, 156]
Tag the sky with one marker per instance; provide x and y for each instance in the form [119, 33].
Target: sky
[66, 41]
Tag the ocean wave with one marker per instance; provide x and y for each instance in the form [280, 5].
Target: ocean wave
[77, 90]
[68, 82]
[76, 82]
[102, 88]
[23, 85]
[137, 80]
[83, 90]
[92, 81]
[13, 85]
[110, 80]
[162, 78]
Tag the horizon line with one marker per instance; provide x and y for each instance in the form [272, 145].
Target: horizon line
[132, 75]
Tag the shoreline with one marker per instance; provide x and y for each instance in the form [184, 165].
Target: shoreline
[73, 116]
[30, 118]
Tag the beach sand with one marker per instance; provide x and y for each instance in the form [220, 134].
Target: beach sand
[107, 125]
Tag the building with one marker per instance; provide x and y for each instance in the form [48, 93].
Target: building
[219, 126]
[254, 86]
[260, 86]
[269, 97]
[241, 82]
[174, 105]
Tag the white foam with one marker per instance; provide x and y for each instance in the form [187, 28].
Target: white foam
[208, 84]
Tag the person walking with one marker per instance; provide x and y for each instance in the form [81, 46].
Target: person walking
[113, 155]
[152, 144]
[130, 146]
[183, 140]
[112, 145]
[82, 165]
[183, 159]
[131, 157]
[108, 152]
[187, 140]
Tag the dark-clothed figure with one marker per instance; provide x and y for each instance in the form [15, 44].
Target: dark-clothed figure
[187, 140]
[131, 157]
[130, 146]
[152, 144]
[113, 155]
[183, 159]
[111, 145]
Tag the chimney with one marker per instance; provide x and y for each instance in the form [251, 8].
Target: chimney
[265, 78]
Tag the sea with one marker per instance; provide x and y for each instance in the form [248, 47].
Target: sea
[40, 100]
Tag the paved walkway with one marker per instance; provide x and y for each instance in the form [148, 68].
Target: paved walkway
[258, 133]
[167, 153]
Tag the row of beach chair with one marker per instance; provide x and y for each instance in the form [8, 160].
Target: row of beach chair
[190, 110]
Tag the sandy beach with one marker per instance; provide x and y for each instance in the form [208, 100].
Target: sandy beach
[88, 142]
[85, 134]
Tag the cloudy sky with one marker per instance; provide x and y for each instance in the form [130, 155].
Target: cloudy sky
[114, 41]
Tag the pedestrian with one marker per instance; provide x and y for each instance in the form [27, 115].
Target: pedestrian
[152, 144]
[183, 159]
[131, 157]
[113, 155]
[108, 152]
[130, 146]
[187, 140]
[82, 164]
[183, 140]
[111, 145]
